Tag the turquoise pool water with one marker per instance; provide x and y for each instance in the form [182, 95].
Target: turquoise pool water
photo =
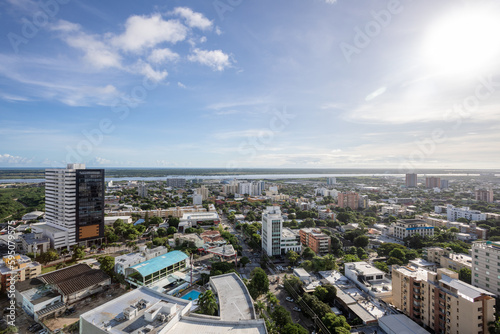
[193, 294]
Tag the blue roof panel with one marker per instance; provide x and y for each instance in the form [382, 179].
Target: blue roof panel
[160, 262]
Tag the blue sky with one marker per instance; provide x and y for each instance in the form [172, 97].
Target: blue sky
[240, 83]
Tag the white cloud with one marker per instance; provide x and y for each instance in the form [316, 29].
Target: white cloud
[66, 26]
[158, 56]
[155, 75]
[181, 85]
[216, 59]
[331, 2]
[148, 31]
[218, 31]
[97, 53]
[193, 19]
[14, 159]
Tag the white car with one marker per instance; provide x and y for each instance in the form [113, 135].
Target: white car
[297, 309]
[289, 299]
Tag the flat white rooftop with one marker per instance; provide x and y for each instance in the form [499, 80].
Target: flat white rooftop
[235, 302]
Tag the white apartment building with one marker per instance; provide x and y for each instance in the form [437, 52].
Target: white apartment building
[369, 279]
[197, 199]
[454, 213]
[74, 200]
[486, 266]
[409, 227]
[272, 225]
[290, 240]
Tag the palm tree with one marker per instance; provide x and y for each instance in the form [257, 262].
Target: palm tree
[259, 306]
[207, 303]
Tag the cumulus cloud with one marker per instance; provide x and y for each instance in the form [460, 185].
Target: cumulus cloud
[155, 75]
[14, 159]
[193, 19]
[158, 56]
[147, 31]
[215, 59]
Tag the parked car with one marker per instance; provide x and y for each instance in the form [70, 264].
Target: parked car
[289, 299]
[280, 286]
[297, 309]
[35, 328]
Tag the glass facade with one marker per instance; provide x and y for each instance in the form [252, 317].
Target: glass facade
[89, 204]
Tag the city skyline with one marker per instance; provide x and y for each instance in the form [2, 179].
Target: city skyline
[236, 84]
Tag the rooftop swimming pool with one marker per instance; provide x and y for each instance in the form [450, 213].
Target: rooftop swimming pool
[191, 295]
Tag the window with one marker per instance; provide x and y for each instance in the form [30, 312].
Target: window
[487, 273]
[487, 267]
[487, 285]
[487, 254]
[487, 279]
[475, 281]
[476, 275]
[476, 263]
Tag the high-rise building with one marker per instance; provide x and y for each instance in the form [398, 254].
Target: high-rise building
[348, 200]
[176, 182]
[432, 182]
[484, 195]
[331, 181]
[245, 188]
[486, 265]
[445, 184]
[440, 301]
[142, 190]
[197, 199]
[272, 225]
[411, 180]
[203, 191]
[74, 200]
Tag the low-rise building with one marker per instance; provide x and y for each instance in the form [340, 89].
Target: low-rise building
[199, 219]
[150, 272]
[112, 219]
[313, 238]
[399, 324]
[35, 243]
[145, 310]
[290, 240]
[371, 280]
[49, 294]
[125, 261]
[408, 227]
[17, 268]
[454, 213]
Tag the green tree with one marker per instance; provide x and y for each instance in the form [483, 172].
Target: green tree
[281, 317]
[259, 283]
[465, 275]
[207, 303]
[336, 324]
[49, 256]
[361, 241]
[291, 328]
[382, 266]
[398, 254]
[308, 253]
[244, 261]
[162, 232]
[78, 253]
[292, 256]
[171, 230]
[107, 264]
[173, 221]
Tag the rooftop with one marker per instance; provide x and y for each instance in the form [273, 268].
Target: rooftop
[235, 302]
[418, 273]
[74, 278]
[465, 290]
[163, 261]
[363, 268]
[400, 323]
